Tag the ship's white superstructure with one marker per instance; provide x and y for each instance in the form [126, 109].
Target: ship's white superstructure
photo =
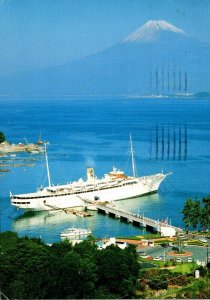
[113, 186]
[75, 232]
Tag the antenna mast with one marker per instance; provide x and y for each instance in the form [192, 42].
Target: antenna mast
[47, 165]
[132, 157]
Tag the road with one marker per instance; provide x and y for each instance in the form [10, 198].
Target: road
[198, 253]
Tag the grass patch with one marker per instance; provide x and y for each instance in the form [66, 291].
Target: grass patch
[152, 236]
[184, 268]
[140, 237]
[196, 243]
[158, 263]
[180, 252]
[136, 238]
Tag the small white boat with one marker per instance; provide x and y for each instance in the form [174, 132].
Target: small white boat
[75, 232]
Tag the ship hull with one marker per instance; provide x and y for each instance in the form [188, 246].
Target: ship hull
[38, 201]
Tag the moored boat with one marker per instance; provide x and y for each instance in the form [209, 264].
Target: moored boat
[114, 186]
[75, 232]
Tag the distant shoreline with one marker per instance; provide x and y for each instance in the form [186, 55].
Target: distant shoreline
[187, 96]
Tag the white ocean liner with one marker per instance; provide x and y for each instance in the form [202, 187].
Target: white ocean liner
[113, 186]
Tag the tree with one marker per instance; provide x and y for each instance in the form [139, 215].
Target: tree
[187, 213]
[205, 213]
[179, 242]
[86, 249]
[88, 278]
[196, 213]
[8, 240]
[117, 271]
[159, 282]
[17, 290]
[206, 200]
[2, 137]
[62, 248]
[29, 269]
[26, 257]
[192, 213]
[70, 276]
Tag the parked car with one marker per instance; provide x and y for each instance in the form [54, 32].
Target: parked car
[144, 255]
[203, 240]
[141, 253]
[178, 259]
[189, 259]
[157, 258]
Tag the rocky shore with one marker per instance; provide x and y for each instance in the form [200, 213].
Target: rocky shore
[6, 148]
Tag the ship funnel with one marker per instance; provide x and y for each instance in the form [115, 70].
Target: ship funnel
[90, 175]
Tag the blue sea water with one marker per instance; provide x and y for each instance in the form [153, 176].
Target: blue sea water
[95, 132]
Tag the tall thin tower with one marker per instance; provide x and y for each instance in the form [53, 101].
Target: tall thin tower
[180, 143]
[168, 80]
[168, 150]
[150, 81]
[174, 149]
[150, 146]
[162, 77]
[163, 143]
[174, 79]
[157, 80]
[180, 81]
[185, 142]
[157, 142]
[185, 81]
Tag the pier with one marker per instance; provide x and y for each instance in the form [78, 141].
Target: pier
[134, 218]
[106, 208]
[143, 221]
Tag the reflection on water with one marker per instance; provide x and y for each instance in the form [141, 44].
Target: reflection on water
[39, 219]
[32, 219]
[49, 225]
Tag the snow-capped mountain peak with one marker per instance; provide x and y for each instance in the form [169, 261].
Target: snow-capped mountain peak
[150, 31]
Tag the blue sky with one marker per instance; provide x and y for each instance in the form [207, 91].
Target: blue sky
[41, 33]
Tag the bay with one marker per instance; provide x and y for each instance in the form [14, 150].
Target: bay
[94, 131]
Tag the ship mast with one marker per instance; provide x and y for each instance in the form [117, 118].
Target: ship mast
[132, 157]
[47, 165]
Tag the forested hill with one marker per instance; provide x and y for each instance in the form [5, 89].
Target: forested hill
[30, 269]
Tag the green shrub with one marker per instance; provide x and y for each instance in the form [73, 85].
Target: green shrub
[2, 137]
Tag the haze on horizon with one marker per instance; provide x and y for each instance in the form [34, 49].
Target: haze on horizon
[39, 34]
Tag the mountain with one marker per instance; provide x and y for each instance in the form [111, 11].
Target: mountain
[152, 31]
[157, 58]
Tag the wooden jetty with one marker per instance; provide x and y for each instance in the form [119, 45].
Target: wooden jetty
[77, 212]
